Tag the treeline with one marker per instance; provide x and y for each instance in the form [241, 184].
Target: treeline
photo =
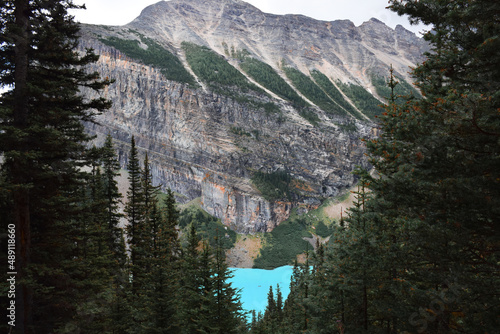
[334, 93]
[172, 287]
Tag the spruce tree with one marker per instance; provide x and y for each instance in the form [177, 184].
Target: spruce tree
[43, 143]
[111, 170]
[135, 210]
[195, 293]
[227, 312]
[439, 172]
[163, 282]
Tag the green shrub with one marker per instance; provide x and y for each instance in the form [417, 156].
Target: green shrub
[283, 244]
[323, 230]
[207, 227]
[155, 56]
[273, 186]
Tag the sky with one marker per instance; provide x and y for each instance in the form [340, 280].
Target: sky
[119, 12]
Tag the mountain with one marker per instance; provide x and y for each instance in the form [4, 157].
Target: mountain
[255, 113]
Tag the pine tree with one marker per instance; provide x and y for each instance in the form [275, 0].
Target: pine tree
[114, 236]
[43, 142]
[295, 311]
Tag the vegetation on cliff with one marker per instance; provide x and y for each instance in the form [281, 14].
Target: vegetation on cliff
[273, 186]
[362, 99]
[283, 244]
[312, 91]
[154, 55]
[332, 91]
[207, 227]
[215, 70]
[267, 77]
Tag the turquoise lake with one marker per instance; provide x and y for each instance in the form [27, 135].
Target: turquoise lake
[255, 283]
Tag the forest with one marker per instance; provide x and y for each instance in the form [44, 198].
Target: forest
[417, 253]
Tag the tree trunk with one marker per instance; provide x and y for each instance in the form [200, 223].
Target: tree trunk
[21, 210]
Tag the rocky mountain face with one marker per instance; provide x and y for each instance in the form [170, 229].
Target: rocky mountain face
[207, 138]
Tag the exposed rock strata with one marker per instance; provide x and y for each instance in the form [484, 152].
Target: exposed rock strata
[188, 132]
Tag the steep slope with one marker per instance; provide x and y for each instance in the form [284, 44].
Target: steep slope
[218, 93]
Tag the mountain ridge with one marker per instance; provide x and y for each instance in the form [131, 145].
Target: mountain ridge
[198, 22]
[209, 136]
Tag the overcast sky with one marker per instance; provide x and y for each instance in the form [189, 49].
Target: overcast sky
[119, 12]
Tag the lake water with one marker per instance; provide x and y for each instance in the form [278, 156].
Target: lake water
[254, 285]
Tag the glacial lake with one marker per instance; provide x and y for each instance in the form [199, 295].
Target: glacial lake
[254, 285]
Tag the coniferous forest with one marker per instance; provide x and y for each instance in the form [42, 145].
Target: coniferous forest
[417, 253]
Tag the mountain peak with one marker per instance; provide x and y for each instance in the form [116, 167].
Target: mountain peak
[301, 42]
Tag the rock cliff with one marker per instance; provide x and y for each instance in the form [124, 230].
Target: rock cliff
[204, 143]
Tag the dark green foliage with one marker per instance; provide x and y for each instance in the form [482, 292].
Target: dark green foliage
[209, 304]
[323, 230]
[332, 91]
[267, 77]
[273, 320]
[283, 244]
[111, 168]
[227, 313]
[362, 99]
[418, 252]
[240, 132]
[309, 115]
[310, 90]
[43, 144]
[401, 89]
[136, 211]
[207, 227]
[269, 107]
[154, 55]
[273, 186]
[215, 70]
[72, 274]
[296, 312]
